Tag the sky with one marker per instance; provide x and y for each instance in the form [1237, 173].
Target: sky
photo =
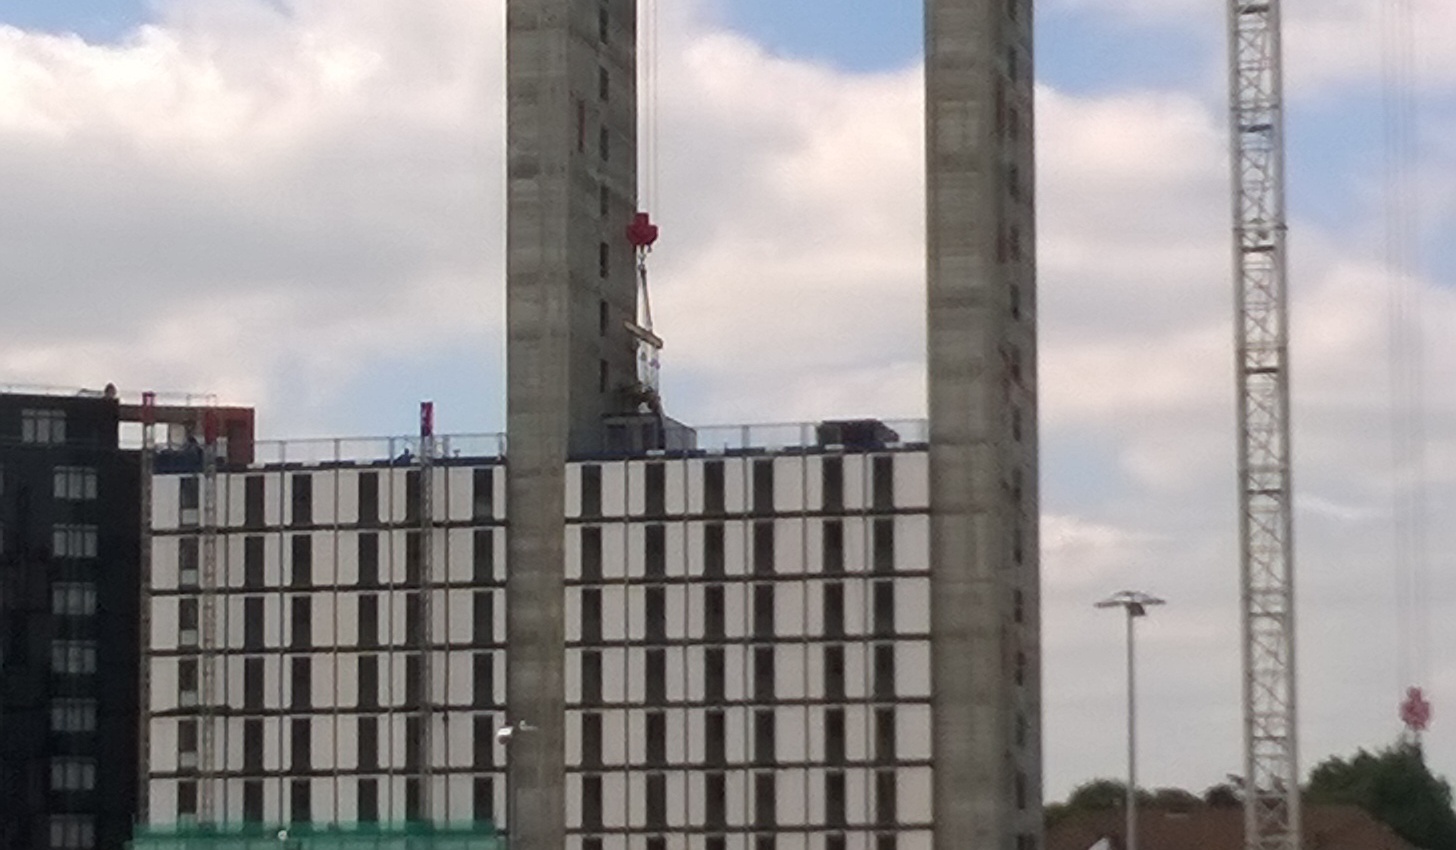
[298, 204]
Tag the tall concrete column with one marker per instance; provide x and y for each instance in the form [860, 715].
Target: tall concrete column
[981, 304]
[572, 181]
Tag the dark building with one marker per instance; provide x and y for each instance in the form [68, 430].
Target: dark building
[69, 579]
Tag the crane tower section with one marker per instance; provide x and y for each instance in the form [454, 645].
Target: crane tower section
[1271, 764]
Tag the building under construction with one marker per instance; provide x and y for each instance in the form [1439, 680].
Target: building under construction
[633, 635]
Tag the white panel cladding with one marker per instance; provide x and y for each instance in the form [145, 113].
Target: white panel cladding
[912, 480]
[912, 605]
[737, 485]
[347, 484]
[789, 614]
[856, 482]
[164, 563]
[573, 492]
[912, 732]
[614, 800]
[457, 484]
[614, 551]
[912, 669]
[636, 483]
[614, 489]
[791, 798]
[791, 484]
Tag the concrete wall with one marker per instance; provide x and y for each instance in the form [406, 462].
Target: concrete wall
[982, 365]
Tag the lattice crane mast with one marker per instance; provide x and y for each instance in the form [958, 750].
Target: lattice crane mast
[1261, 327]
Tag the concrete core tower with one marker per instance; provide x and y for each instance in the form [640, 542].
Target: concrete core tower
[572, 191]
[985, 622]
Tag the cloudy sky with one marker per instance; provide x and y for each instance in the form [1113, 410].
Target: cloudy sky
[298, 204]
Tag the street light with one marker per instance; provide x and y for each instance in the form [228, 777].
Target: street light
[1136, 604]
[504, 736]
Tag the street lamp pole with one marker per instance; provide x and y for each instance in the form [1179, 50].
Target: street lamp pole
[504, 736]
[1135, 603]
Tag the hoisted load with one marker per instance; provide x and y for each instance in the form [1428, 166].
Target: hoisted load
[642, 233]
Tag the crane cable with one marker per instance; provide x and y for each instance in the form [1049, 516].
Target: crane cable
[1406, 344]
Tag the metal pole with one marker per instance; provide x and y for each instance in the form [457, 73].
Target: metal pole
[1132, 824]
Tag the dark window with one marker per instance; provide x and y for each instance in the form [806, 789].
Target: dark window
[656, 801]
[301, 738]
[187, 562]
[253, 801]
[834, 672]
[763, 548]
[656, 738]
[484, 618]
[713, 487]
[763, 610]
[656, 676]
[302, 546]
[301, 676]
[369, 681]
[833, 609]
[1018, 606]
[188, 493]
[834, 799]
[713, 564]
[591, 678]
[885, 797]
[302, 499]
[604, 251]
[715, 738]
[715, 674]
[252, 683]
[187, 798]
[411, 740]
[413, 560]
[253, 563]
[484, 494]
[301, 620]
[834, 736]
[763, 674]
[591, 739]
[591, 554]
[763, 486]
[765, 795]
[253, 501]
[884, 672]
[1021, 730]
[413, 801]
[886, 841]
[186, 675]
[882, 482]
[1016, 425]
[187, 617]
[713, 617]
[833, 547]
[369, 497]
[604, 24]
[368, 559]
[369, 801]
[413, 680]
[606, 144]
[414, 622]
[484, 741]
[484, 556]
[591, 615]
[835, 842]
[591, 490]
[716, 786]
[368, 620]
[1020, 668]
[604, 310]
[605, 208]
[884, 546]
[412, 495]
[832, 477]
[253, 745]
[300, 802]
[483, 680]
[885, 734]
[763, 737]
[656, 614]
[484, 793]
[884, 608]
[656, 489]
[591, 802]
[765, 842]
[368, 743]
[604, 376]
[656, 550]
[187, 739]
[253, 622]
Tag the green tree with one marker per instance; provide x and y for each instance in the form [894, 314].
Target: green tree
[1222, 796]
[1396, 788]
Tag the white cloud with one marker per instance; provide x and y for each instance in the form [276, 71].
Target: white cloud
[259, 201]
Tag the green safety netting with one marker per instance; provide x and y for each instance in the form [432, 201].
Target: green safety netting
[480, 835]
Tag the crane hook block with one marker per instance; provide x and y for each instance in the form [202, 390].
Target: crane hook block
[642, 233]
[1415, 710]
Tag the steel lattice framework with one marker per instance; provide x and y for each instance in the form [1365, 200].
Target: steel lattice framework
[1271, 763]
